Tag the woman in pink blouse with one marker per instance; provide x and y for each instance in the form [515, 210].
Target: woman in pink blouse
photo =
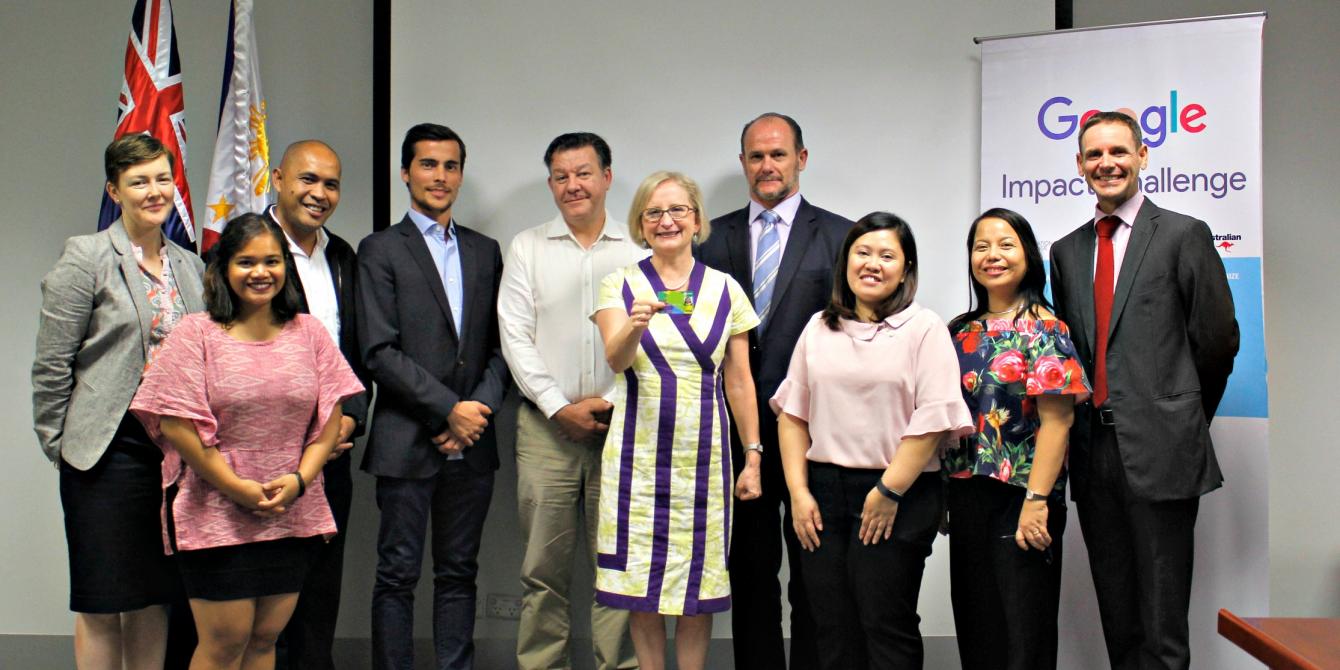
[871, 393]
[245, 402]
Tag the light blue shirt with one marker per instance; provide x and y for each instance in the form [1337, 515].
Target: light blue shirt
[786, 210]
[447, 257]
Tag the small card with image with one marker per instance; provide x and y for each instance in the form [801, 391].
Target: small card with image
[676, 302]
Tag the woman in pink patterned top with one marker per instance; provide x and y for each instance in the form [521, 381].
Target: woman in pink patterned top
[245, 403]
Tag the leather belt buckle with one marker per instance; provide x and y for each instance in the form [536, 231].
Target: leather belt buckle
[1107, 417]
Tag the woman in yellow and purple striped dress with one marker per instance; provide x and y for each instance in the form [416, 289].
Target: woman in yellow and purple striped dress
[676, 335]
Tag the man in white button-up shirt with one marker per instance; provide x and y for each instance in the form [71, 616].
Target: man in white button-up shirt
[549, 286]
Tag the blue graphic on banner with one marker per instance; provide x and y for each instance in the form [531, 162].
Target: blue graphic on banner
[1247, 395]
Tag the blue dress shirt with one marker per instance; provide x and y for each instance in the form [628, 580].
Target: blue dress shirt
[445, 249]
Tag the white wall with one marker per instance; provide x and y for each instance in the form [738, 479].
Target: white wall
[1300, 70]
[61, 64]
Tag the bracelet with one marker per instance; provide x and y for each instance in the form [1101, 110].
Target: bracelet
[888, 492]
[302, 485]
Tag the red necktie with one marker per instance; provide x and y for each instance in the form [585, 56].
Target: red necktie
[1104, 277]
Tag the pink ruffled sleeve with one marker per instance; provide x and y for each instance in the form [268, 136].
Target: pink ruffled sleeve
[175, 384]
[793, 395]
[336, 381]
[938, 403]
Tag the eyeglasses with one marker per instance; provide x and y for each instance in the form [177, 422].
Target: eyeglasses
[678, 213]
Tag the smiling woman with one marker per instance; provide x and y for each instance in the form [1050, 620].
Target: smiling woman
[110, 295]
[1020, 379]
[676, 333]
[869, 396]
[245, 403]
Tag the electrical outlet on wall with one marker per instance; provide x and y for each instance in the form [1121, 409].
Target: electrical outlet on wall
[501, 606]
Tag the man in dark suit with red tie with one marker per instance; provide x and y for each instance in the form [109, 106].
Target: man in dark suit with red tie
[1147, 301]
[781, 249]
[428, 326]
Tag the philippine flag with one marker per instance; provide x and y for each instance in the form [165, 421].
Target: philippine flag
[239, 178]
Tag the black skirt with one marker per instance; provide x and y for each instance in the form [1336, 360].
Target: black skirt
[114, 534]
[247, 570]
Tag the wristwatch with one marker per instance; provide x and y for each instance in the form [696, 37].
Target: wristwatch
[1030, 496]
[754, 447]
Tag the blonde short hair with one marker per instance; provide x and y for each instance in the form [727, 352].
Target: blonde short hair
[643, 195]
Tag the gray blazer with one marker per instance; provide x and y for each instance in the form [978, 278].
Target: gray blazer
[92, 339]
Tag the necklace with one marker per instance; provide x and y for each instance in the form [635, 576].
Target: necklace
[678, 283]
[1008, 310]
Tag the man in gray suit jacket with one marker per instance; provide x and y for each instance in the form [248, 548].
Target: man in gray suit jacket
[1147, 301]
[428, 328]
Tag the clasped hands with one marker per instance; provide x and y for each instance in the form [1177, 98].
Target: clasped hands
[585, 421]
[267, 500]
[465, 424]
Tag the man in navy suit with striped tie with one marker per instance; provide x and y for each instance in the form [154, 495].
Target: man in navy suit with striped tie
[781, 249]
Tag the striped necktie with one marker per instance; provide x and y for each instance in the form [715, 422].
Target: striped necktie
[766, 260]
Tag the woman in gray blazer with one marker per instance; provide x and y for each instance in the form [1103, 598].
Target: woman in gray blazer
[106, 307]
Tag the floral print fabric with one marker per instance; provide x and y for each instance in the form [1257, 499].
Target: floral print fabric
[1004, 364]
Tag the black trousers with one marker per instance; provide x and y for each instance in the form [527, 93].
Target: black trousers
[1141, 554]
[760, 528]
[306, 641]
[864, 598]
[1005, 599]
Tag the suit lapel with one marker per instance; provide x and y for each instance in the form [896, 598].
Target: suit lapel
[1146, 224]
[185, 275]
[1084, 250]
[802, 234]
[471, 278]
[130, 274]
[737, 245]
[418, 250]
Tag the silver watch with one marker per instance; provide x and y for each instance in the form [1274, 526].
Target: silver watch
[754, 447]
[1030, 496]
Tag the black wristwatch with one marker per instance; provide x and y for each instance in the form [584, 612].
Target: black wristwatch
[1030, 496]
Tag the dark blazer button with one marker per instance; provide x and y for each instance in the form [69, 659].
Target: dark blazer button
[460, 363]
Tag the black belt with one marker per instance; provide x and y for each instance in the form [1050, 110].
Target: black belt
[1104, 416]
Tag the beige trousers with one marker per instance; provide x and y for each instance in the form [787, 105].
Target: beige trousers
[558, 483]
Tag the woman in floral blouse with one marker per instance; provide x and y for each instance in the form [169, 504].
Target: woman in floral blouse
[1006, 488]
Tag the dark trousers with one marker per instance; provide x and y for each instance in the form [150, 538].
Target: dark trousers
[1141, 555]
[759, 529]
[864, 597]
[457, 501]
[1005, 599]
[306, 641]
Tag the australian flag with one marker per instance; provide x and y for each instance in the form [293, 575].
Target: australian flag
[151, 102]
